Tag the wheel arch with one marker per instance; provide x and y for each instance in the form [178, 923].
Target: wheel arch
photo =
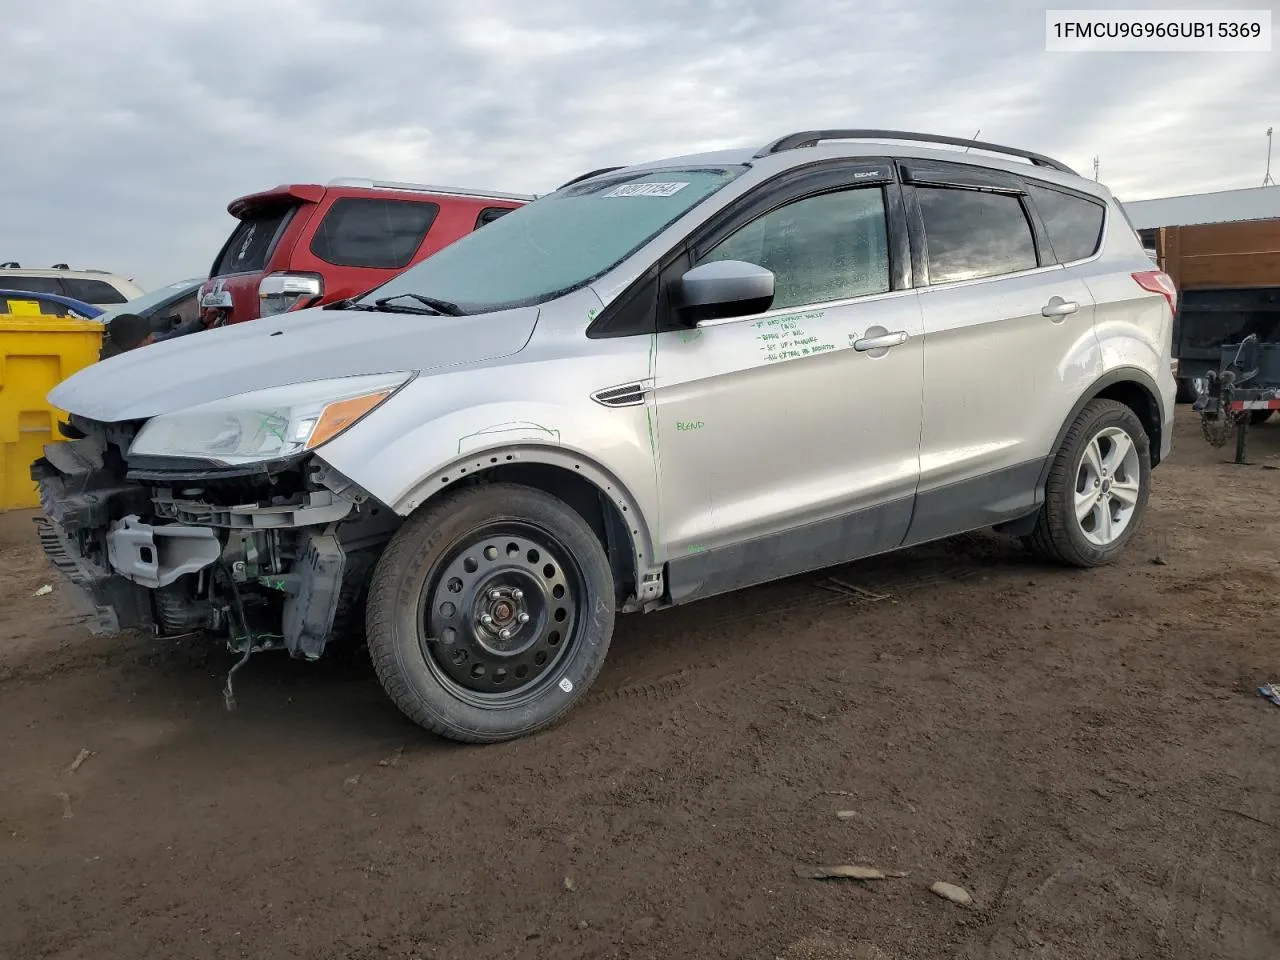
[583, 484]
[1128, 385]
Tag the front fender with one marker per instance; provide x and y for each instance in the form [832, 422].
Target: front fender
[404, 459]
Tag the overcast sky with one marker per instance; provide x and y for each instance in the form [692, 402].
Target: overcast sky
[128, 126]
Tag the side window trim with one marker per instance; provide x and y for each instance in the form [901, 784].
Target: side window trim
[1045, 255]
[960, 176]
[915, 229]
[793, 186]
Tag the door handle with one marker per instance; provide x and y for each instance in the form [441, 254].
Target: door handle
[882, 342]
[1057, 307]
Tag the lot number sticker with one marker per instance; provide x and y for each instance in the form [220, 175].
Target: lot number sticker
[646, 189]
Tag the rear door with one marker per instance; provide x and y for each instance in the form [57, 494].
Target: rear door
[1009, 346]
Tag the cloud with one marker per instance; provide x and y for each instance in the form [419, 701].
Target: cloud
[128, 128]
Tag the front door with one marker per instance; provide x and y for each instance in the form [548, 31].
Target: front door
[789, 440]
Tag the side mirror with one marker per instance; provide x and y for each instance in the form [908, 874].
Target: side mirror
[723, 289]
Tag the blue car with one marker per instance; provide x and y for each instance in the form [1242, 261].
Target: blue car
[81, 309]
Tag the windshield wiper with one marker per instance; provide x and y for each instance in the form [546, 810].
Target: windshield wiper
[350, 304]
[442, 307]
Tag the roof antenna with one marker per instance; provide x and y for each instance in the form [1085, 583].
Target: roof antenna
[974, 137]
[1266, 180]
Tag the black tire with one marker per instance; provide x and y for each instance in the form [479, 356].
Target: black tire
[1259, 417]
[1186, 391]
[500, 549]
[1059, 536]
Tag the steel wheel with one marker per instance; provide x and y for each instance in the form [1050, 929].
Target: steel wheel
[499, 614]
[1108, 485]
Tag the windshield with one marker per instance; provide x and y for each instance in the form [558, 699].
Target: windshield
[558, 243]
[149, 300]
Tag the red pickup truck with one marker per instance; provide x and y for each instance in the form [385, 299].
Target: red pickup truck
[302, 245]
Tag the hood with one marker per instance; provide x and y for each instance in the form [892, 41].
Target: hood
[308, 345]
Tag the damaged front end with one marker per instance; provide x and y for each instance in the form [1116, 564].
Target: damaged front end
[266, 556]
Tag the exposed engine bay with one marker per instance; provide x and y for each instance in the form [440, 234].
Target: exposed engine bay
[268, 556]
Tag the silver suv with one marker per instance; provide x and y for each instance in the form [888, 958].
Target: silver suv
[658, 383]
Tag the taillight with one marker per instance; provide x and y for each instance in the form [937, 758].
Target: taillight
[1157, 281]
[281, 292]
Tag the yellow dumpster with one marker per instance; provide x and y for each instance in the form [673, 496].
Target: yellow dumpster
[37, 352]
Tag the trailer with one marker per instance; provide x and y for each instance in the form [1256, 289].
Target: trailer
[1223, 253]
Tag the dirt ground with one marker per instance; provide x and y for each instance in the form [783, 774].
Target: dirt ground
[1085, 753]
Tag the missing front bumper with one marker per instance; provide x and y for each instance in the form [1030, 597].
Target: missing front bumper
[156, 556]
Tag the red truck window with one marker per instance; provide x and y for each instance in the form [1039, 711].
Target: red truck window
[251, 242]
[373, 232]
[490, 214]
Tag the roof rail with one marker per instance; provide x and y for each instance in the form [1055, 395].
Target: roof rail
[587, 176]
[811, 138]
[426, 188]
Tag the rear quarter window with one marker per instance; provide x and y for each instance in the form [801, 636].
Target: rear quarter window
[379, 233]
[93, 291]
[1074, 223]
[251, 242]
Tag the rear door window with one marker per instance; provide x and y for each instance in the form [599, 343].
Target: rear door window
[33, 284]
[971, 234]
[379, 233]
[1074, 223]
[93, 291]
[251, 242]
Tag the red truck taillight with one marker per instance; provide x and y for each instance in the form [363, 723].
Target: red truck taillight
[281, 292]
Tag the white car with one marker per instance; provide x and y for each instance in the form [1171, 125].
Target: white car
[97, 287]
[656, 384]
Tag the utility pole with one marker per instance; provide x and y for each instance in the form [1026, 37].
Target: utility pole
[1266, 180]
[1095, 169]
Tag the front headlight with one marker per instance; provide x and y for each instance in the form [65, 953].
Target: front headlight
[266, 424]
